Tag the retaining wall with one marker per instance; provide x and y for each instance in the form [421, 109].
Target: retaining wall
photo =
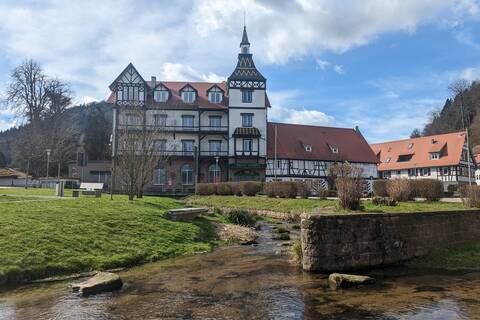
[354, 241]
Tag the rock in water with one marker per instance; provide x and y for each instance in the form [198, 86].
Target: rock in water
[101, 282]
[338, 280]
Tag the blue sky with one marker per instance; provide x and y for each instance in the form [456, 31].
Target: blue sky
[381, 65]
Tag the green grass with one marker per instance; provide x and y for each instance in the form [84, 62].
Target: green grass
[261, 203]
[53, 237]
[310, 205]
[465, 256]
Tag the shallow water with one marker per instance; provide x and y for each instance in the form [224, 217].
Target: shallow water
[251, 283]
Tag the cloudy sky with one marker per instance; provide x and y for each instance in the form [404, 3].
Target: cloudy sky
[382, 65]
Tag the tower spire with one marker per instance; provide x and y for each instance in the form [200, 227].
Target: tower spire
[245, 45]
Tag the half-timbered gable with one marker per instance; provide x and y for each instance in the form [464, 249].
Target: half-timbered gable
[129, 88]
[445, 157]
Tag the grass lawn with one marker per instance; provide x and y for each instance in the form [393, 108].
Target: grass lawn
[310, 205]
[52, 237]
[465, 256]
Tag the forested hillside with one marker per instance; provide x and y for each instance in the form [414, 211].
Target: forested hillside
[449, 118]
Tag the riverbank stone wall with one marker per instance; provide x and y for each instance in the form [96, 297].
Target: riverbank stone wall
[340, 242]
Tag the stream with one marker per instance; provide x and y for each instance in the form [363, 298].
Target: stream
[251, 282]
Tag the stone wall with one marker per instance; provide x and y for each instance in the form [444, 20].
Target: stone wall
[354, 241]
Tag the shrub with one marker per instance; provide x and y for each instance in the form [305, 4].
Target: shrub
[240, 217]
[304, 189]
[384, 201]
[287, 189]
[399, 189]
[430, 189]
[349, 186]
[452, 188]
[269, 188]
[323, 193]
[224, 189]
[250, 188]
[236, 190]
[470, 195]
[380, 188]
[205, 189]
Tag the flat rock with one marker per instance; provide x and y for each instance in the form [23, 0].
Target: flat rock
[101, 282]
[338, 280]
[185, 214]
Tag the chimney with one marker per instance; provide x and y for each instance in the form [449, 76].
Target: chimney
[357, 129]
[154, 81]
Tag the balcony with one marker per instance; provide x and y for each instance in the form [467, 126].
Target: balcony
[213, 153]
[240, 153]
[203, 129]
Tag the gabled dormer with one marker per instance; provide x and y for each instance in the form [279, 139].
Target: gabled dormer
[215, 94]
[188, 94]
[129, 87]
[161, 93]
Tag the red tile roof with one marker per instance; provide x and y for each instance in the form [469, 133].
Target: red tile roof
[11, 173]
[292, 140]
[175, 99]
[449, 145]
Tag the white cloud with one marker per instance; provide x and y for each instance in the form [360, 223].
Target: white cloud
[322, 64]
[339, 69]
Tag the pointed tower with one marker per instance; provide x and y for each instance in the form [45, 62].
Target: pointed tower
[247, 117]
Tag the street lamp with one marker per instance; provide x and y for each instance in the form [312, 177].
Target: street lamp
[48, 151]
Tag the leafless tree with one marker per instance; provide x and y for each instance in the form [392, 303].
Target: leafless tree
[139, 153]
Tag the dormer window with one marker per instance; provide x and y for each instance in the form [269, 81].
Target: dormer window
[388, 160]
[188, 94]
[308, 148]
[334, 149]
[434, 156]
[161, 94]
[215, 95]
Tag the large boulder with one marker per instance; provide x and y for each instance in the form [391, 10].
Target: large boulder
[101, 282]
[338, 280]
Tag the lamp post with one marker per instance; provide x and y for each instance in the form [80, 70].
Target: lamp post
[216, 169]
[48, 151]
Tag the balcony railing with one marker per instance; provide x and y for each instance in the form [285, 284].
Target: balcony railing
[246, 153]
[222, 129]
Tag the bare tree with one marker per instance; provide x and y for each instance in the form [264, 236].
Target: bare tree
[139, 153]
[27, 92]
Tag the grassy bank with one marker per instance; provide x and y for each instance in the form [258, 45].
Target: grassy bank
[41, 236]
[465, 257]
[310, 205]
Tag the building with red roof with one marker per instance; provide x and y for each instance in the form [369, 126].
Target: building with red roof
[445, 157]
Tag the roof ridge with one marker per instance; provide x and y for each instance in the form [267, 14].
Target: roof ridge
[310, 125]
[418, 138]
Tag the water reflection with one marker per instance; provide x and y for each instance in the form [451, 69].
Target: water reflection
[250, 283]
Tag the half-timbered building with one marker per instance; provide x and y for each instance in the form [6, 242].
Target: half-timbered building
[445, 157]
[302, 152]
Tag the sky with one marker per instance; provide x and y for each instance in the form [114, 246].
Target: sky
[382, 65]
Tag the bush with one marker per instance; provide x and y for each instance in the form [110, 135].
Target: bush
[270, 189]
[224, 189]
[250, 188]
[430, 189]
[297, 251]
[380, 188]
[235, 186]
[384, 201]
[452, 188]
[304, 189]
[206, 189]
[399, 189]
[286, 189]
[349, 186]
[323, 193]
[240, 217]
[470, 195]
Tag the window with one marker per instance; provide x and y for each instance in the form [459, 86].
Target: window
[215, 95]
[133, 119]
[405, 157]
[399, 172]
[214, 173]
[187, 174]
[188, 95]
[160, 120]
[247, 145]
[247, 119]
[160, 145]
[160, 95]
[388, 159]
[446, 171]
[159, 176]
[425, 171]
[308, 148]
[215, 146]
[130, 93]
[247, 95]
[187, 147]
[334, 149]
[187, 121]
[215, 122]
[434, 156]
[410, 145]
[411, 172]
